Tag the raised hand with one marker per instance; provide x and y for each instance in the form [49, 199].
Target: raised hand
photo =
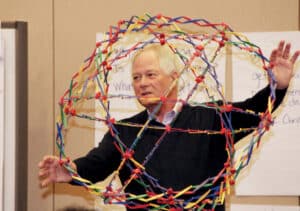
[283, 64]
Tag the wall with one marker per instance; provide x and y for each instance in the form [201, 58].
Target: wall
[61, 35]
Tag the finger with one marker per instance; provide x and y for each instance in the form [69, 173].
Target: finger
[47, 177]
[43, 164]
[280, 47]
[43, 173]
[295, 57]
[44, 183]
[273, 56]
[286, 51]
[47, 160]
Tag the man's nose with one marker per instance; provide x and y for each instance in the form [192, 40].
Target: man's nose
[144, 81]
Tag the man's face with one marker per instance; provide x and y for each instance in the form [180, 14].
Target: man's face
[149, 81]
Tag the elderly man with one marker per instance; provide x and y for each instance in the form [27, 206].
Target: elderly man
[181, 159]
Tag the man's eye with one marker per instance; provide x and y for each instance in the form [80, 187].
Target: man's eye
[151, 75]
[135, 78]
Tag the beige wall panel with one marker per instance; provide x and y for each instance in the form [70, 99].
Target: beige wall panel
[38, 14]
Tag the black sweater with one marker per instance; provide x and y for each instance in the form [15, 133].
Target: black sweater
[182, 159]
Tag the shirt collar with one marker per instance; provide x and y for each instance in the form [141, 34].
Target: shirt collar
[169, 116]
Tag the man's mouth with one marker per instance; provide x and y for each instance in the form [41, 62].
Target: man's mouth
[145, 94]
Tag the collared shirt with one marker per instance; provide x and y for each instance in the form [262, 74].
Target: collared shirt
[169, 116]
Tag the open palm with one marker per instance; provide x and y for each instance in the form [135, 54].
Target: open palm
[283, 64]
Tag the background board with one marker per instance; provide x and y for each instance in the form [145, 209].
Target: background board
[13, 115]
[8, 118]
[274, 169]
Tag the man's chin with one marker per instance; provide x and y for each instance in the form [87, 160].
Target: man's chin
[149, 103]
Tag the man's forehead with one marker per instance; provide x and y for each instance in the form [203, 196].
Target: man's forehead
[146, 53]
[146, 58]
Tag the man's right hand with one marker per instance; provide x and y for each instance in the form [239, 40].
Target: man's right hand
[51, 170]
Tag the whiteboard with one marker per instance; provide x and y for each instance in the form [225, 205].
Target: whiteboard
[13, 114]
[1, 116]
[9, 124]
[275, 168]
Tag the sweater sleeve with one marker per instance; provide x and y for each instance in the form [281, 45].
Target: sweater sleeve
[257, 103]
[100, 162]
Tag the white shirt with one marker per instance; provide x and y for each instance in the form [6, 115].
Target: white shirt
[169, 116]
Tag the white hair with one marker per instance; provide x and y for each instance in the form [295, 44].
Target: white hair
[168, 60]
